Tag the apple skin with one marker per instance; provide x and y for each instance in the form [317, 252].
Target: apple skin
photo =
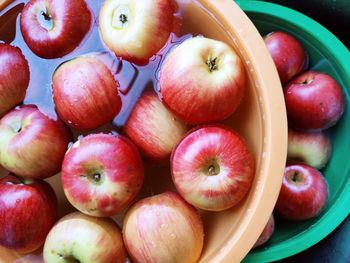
[156, 137]
[173, 232]
[102, 174]
[32, 145]
[303, 194]
[54, 28]
[212, 168]
[311, 148]
[146, 30]
[266, 233]
[13, 86]
[28, 210]
[81, 238]
[288, 54]
[202, 80]
[78, 102]
[314, 101]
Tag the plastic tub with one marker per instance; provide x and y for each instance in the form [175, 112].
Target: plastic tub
[329, 55]
[261, 119]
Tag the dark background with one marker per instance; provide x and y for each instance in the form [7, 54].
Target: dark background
[332, 14]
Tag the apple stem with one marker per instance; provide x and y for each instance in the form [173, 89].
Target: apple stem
[212, 64]
[97, 177]
[69, 259]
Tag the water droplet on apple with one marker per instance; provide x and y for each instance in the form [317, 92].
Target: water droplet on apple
[164, 226]
[173, 236]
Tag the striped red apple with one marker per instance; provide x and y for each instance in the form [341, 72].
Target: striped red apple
[212, 168]
[153, 128]
[101, 174]
[13, 86]
[202, 80]
[163, 228]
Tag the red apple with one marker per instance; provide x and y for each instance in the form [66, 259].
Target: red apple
[28, 210]
[81, 238]
[13, 86]
[163, 228]
[157, 136]
[266, 233]
[212, 168]
[102, 174]
[202, 80]
[85, 93]
[303, 194]
[314, 101]
[32, 144]
[288, 54]
[136, 30]
[311, 148]
[54, 28]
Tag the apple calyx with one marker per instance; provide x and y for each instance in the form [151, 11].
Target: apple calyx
[45, 19]
[95, 177]
[307, 81]
[68, 259]
[212, 168]
[120, 18]
[212, 63]
[295, 177]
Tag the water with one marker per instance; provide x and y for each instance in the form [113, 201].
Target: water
[133, 79]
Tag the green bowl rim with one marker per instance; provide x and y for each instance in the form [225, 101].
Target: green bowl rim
[340, 208]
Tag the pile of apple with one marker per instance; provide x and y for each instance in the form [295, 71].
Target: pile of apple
[314, 102]
[202, 82]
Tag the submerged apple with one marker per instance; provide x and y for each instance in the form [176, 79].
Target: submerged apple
[303, 194]
[101, 174]
[85, 93]
[314, 101]
[153, 128]
[202, 80]
[32, 145]
[13, 86]
[53, 28]
[163, 228]
[288, 54]
[81, 238]
[28, 210]
[136, 30]
[311, 148]
[212, 168]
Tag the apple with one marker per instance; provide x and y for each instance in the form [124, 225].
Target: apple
[28, 210]
[212, 168]
[266, 233]
[202, 80]
[32, 145]
[13, 86]
[136, 30]
[82, 238]
[54, 28]
[85, 93]
[303, 194]
[288, 54]
[156, 137]
[102, 174]
[163, 228]
[311, 148]
[314, 101]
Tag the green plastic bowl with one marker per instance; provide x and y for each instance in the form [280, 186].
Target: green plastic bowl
[327, 54]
